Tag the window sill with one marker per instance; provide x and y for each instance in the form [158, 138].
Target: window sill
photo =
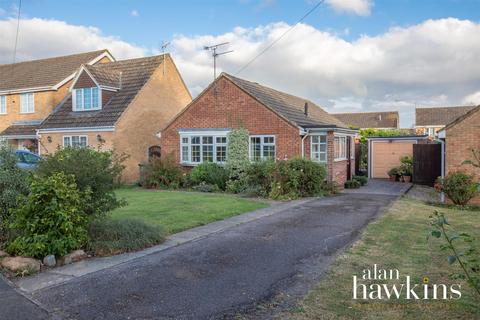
[27, 112]
[340, 159]
[86, 110]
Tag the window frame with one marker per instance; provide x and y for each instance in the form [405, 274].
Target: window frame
[201, 144]
[342, 155]
[75, 103]
[3, 104]
[71, 140]
[262, 145]
[319, 151]
[30, 103]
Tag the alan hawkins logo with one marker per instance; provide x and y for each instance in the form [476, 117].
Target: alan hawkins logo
[364, 287]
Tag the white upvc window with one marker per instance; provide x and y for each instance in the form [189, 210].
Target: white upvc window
[262, 148]
[3, 104]
[27, 103]
[318, 148]
[75, 141]
[431, 132]
[340, 147]
[86, 99]
[195, 149]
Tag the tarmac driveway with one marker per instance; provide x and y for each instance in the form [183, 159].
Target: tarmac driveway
[273, 259]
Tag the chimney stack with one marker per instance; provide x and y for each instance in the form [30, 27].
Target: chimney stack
[305, 109]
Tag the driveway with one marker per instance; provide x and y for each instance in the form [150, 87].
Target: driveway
[242, 270]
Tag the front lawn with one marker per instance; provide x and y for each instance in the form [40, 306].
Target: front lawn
[176, 211]
[395, 241]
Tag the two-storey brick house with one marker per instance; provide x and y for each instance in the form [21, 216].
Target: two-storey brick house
[280, 125]
[117, 106]
[30, 90]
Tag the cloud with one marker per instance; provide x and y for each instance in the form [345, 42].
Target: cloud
[431, 63]
[134, 13]
[358, 7]
[472, 99]
[40, 38]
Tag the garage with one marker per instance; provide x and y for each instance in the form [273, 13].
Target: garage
[384, 153]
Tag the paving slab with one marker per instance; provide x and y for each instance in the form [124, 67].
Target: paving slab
[382, 186]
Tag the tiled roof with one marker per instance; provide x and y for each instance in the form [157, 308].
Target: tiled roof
[463, 117]
[20, 130]
[288, 106]
[135, 73]
[387, 119]
[44, 72]
[105, 76]
[439, 116]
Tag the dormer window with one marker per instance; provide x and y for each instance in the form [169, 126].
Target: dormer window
[86, 99]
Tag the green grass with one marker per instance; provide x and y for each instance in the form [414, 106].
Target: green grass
[176, 211]
[395, 241]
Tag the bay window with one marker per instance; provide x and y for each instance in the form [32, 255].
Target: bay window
[86, 99]
[319, 148]
[262, 148]
[340, 147]
[27, 103]
[197, 149]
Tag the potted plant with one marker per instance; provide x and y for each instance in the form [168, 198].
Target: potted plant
[393, 174]
[407, 168]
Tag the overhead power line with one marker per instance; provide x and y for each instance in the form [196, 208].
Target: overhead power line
[279, 38]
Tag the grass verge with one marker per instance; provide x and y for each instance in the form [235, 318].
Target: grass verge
[396, 241]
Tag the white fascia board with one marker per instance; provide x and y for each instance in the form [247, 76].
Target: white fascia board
[15, 137]
[26, 90]
[334, 129]
[203, 132]
[80, 129]
[82, 68]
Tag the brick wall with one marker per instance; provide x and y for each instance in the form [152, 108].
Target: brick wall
[224, 105]
[460, 140]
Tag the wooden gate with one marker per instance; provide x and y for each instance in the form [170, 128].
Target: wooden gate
[357, 157]
[427, 162]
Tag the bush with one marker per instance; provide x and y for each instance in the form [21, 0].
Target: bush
[94, 171]
[459, 187]
[352, 184]
[362, 179]
[205, 187]
[260, 178]
[406, 167]
[13, 188]
[51, 221]
[237, 160]
[209, 173]
[109, 236]
[330, 187]
[297, 177]
[163, 173]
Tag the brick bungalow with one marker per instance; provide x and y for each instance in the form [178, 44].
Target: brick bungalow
[117, 106]
[280, 125]
[461, 137]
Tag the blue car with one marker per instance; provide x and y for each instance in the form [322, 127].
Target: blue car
[27, 160]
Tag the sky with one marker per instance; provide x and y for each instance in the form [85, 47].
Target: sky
[347, 55]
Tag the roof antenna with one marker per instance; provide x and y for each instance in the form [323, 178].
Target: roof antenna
[165, 44]
[215, 55]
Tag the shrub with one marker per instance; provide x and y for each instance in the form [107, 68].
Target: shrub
[237, 160]
[459, 187]
[94, 171]
[13, 188]
[362, 179]
[163, 173]
[394, 172]
[209, 173]
[108, 236]
[51, 221]
[260, 178]
[297, 177]
[352, 184]
[205, 187]
[330, 187]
